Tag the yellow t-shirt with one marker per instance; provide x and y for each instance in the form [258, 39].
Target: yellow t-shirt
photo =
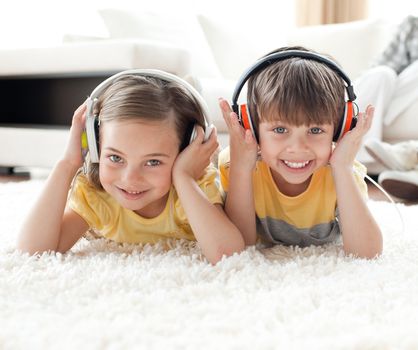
[107, 217]
[310, 218]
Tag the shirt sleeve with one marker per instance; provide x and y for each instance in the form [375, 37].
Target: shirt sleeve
[86, 201]
[223, 165]
[209, 184]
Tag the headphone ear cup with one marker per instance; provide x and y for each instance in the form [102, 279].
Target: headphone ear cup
[92, 133]
[246, 120]
[192, 133]
[347, 123]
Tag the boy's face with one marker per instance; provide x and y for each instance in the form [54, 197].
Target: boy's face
[135, 165]
[293, 153]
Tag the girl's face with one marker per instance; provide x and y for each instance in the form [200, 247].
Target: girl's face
[136, 158]
[294, 153]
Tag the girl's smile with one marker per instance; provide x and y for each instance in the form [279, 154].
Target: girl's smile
[135, 168]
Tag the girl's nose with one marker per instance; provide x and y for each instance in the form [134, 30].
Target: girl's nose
[132, 174]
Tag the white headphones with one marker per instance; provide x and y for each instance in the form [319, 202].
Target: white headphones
[93, 122]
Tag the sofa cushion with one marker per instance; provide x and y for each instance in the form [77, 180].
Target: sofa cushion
[95, 56]
[404, 127]
[355, 45]
[179, 30]
[237, 47]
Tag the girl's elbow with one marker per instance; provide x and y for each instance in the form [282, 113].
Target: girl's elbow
[27, 249]
[226, 251]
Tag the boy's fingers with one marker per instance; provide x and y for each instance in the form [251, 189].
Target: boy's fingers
[226, 111]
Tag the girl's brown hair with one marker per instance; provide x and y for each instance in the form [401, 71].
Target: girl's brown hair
[296, 90]
[147, 98]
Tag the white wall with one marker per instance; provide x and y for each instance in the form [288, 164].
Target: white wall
[391, 10]
[31, 23]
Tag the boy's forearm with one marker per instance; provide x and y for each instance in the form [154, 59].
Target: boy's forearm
[239, 204]
[41, 229]
[361, 234]
[216, 234]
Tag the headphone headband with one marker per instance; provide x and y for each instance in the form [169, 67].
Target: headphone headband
[282, 55]
[91, 122]
[348, 119]
[155, 73]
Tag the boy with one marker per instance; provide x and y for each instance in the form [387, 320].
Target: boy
[302, 190]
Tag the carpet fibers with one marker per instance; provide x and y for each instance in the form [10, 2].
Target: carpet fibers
[103, 295]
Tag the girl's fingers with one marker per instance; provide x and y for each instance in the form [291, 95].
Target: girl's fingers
[200, 136]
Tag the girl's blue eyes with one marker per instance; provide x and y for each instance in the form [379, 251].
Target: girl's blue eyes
[153, 162]
[116, 159]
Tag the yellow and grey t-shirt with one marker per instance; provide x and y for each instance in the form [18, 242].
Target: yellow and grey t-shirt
[107, 217]
[307, 219]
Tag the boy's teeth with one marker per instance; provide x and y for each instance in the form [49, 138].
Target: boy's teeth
[296, 165]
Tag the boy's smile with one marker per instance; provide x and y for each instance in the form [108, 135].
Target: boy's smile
[293, 153]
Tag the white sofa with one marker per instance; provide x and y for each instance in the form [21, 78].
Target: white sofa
[211, 52]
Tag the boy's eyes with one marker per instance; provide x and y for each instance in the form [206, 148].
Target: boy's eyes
[279, 130]
[316, 130]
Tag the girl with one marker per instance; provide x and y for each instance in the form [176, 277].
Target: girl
[148, 183]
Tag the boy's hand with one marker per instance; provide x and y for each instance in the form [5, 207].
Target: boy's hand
[347, 148]
[243, 146]
[73, 154]
[195, 158]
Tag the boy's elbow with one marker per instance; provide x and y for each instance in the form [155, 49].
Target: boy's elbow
[369, 253]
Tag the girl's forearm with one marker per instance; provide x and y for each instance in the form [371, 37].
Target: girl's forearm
[239, 204]
[361, 234]
[41, 229]
[216, 234]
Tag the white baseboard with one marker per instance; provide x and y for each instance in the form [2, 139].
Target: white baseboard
[31, 147]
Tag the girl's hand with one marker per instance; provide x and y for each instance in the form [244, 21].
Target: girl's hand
[347, 148]
[73, 154]
[196, 157]
[242, 144]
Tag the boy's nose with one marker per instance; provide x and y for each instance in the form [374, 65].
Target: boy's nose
[297, 144]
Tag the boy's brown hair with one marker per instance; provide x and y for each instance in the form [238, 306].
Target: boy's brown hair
[296, 90]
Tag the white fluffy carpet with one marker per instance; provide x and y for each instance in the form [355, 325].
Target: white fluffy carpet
[107, 296]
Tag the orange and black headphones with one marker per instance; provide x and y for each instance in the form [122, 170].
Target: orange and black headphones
[349, 119]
